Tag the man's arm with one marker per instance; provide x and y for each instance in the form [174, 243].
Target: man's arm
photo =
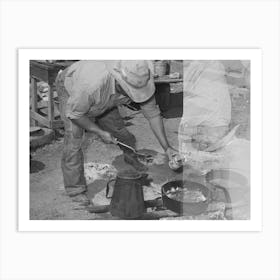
[77, 107]
[152, 114]
[157, 127]
[85, 123]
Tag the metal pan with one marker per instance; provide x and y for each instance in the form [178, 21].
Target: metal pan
[139, 155]
[185, 208]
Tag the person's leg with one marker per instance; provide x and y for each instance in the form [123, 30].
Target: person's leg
[72, 162]
[112, 122]
[162, 95]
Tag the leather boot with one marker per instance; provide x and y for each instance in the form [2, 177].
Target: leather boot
[81, 199]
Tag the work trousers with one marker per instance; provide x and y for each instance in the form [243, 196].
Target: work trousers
[72, 162]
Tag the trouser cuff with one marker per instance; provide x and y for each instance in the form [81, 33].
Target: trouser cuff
[74, 191]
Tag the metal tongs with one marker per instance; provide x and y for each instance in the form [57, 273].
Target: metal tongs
[140, 155]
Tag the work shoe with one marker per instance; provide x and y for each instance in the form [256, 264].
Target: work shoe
[82, 199]
[132, 160]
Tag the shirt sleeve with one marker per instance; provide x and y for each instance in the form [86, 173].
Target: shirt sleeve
[78, 105]
[150, 109]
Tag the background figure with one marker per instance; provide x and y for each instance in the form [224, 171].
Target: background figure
[208, 139]
[207, 104]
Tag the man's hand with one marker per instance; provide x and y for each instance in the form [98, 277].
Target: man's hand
[171, 153]
[107, 137]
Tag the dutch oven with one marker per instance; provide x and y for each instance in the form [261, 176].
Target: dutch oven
[185, 208]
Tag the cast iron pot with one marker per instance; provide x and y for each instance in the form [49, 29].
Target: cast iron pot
[185, 208]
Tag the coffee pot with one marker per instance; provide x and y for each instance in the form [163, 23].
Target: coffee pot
[128, 198]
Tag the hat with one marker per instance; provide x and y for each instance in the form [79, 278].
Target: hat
[136, 79]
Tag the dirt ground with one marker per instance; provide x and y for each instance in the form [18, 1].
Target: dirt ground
[47, 197]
